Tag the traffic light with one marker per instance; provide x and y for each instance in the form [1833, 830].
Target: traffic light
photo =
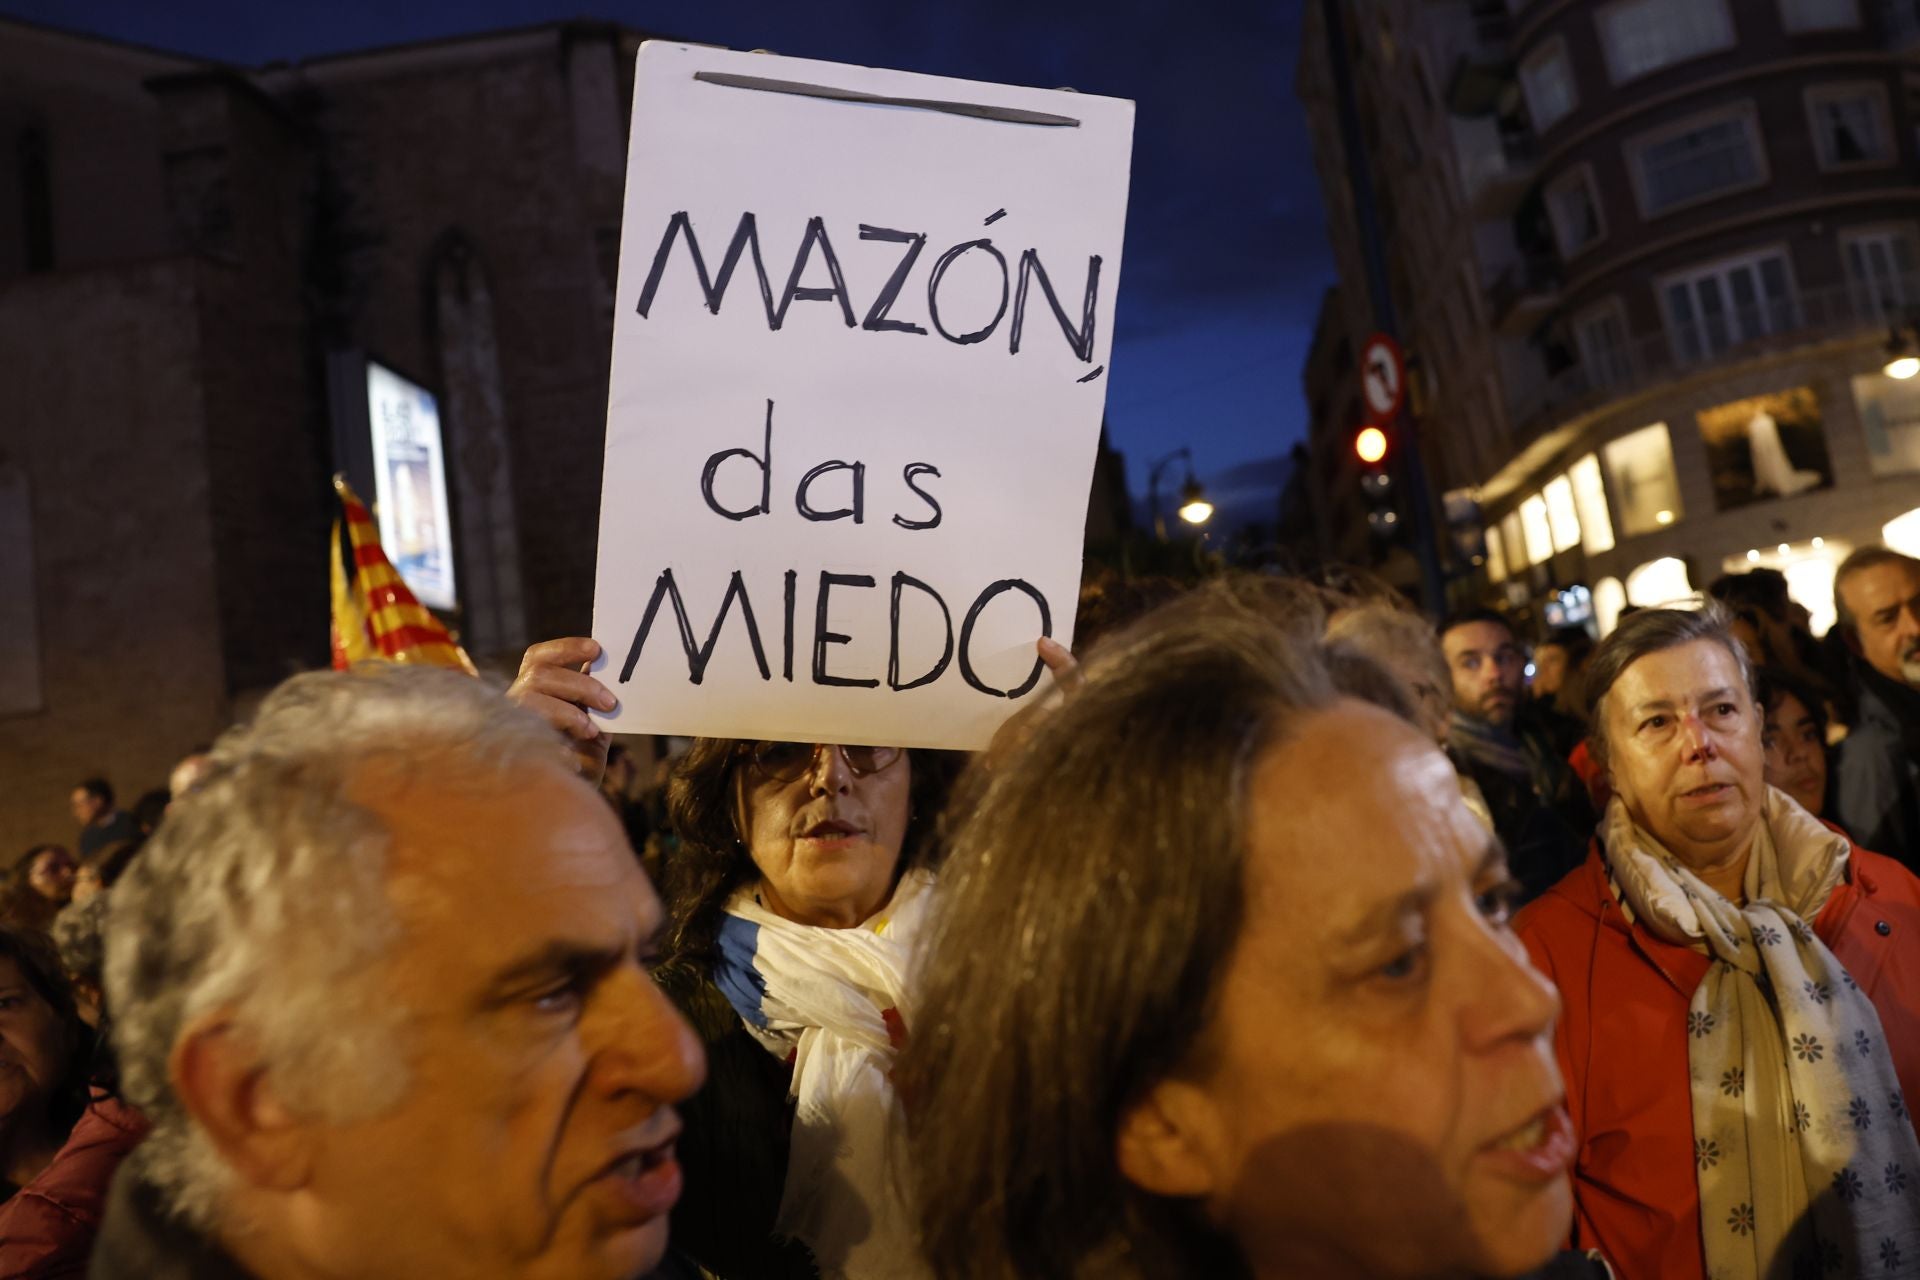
[1376, 483]
[1371, 445]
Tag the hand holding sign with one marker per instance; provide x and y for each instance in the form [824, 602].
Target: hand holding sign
[863, 318]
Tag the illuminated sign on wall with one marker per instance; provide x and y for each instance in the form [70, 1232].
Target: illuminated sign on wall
[410, 485]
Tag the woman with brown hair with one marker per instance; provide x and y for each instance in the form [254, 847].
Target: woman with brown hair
[60, 1139]
[1221, 983]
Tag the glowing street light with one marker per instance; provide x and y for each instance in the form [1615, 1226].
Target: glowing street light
[1194, 507]
[1370, 445]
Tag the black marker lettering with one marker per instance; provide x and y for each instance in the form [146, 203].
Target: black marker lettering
[901, 580]
[786, 665]
[697, 655]
[763, 460]
[1081, 340]
[816, 233]
[940, 266]
[877, 314]
[822, 637]
[913, 471]
[966, 637]
[744, 236]
[859, 508]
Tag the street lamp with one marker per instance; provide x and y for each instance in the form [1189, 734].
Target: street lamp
[1194, 507]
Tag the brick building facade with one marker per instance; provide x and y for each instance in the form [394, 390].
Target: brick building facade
[181, 244]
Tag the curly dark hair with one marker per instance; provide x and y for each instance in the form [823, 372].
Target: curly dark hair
[711, 862]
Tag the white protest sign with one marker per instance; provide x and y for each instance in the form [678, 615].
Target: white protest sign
[859, 363]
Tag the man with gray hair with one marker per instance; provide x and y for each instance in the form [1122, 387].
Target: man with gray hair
[381, 982]
[1876, 595]
[1741, 989]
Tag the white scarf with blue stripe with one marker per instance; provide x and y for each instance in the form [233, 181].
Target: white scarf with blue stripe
[833, 1001]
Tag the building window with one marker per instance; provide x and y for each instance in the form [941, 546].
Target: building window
[1644, 488]
[1547, 79]
[1563, 518]
[1880, 272]
[1601, 335]
[1819, 15]
[1496, 561]
[1575, 211]
[1642, 36]
[1696, 160]
[1850, 125]
[1515, 543]
[1730, 302]
[1536, 529]
[1590, 497]
[1768, 446]
[1889, 413]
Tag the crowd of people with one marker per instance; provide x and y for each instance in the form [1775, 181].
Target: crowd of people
[1290, 934]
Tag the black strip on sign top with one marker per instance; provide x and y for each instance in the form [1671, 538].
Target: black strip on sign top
[978, 110]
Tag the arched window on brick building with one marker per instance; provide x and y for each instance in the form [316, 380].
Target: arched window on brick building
[479, 448]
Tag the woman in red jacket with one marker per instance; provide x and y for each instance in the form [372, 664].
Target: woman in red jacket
[60, 1140]
[1741, 988]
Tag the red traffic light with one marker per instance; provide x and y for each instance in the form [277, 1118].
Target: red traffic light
[1371, 445]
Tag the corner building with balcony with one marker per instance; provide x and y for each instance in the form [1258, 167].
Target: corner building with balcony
[1694, 267]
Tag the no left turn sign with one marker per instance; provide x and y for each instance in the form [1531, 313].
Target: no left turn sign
[1383, 377]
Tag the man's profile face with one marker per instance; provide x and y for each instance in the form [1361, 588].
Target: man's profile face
[1487, 669]
[535, 1135]
[1884, 602]
[85, 805]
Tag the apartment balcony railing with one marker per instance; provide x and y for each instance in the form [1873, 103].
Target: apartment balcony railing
[1523, 293]
[1723, 337]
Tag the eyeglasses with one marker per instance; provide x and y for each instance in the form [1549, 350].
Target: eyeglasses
[789, 761]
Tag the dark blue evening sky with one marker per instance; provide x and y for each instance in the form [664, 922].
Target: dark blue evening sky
[1225, 255]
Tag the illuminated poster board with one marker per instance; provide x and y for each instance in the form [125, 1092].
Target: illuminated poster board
[410, 485]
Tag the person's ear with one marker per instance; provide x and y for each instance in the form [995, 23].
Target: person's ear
[1168, 1142]
[222, 1081]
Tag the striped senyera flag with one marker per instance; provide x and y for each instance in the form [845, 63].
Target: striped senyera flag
[374, 614]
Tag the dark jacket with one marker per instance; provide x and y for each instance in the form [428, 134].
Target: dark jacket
[734, 1143]
[47, 1227]
[142, 1242]
[1544, 819]
[1876, 778]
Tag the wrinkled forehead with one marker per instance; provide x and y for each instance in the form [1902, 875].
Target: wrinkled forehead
[1477, 637]
[1680, 674]
[481, 864]
[1355, 806]
[1877, 586]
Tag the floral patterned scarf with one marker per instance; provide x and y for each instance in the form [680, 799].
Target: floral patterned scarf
[1803, 1148]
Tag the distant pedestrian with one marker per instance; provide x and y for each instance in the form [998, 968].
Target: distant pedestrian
[100, 823]
[1540, 807]
[1795, 737]
[1876, 594]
